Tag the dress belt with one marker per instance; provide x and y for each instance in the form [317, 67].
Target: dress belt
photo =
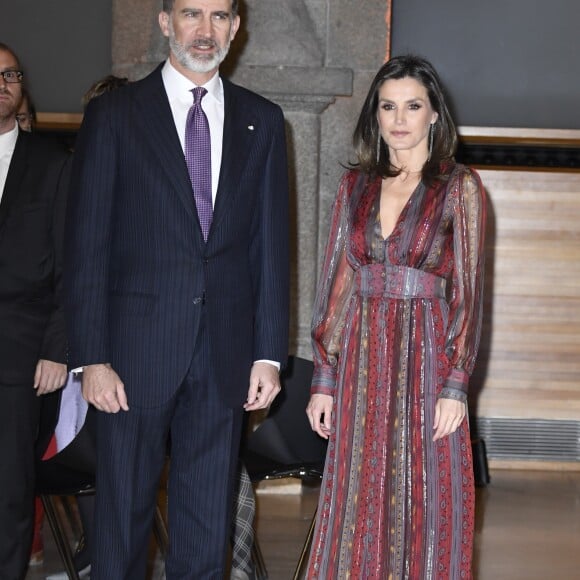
[397, 282]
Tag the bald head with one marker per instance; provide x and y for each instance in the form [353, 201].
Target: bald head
[6, 48]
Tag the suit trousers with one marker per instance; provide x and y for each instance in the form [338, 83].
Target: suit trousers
[131, 452]
[19, 417]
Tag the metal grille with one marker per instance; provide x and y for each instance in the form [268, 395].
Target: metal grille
[531, 439]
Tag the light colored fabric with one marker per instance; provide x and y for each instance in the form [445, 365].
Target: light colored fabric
[72, 413]
[7, 145]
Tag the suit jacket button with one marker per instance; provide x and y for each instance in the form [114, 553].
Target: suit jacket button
[197, 300]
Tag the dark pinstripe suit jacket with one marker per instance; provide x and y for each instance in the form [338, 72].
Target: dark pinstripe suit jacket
[138, 272]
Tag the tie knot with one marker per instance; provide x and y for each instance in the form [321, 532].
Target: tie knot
[198, 94]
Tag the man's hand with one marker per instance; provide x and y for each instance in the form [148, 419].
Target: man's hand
[319, 413]
[103, 388]
[264, 386]
[448, 416]
[49, 376]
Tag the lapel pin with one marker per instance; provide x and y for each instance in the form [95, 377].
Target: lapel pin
[251, 127]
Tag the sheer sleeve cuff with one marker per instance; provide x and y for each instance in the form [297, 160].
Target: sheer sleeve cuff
[323, 380]
[450, 393]
[455, 386]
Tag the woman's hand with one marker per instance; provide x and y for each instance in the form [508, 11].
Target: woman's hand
[319, 413]
[448, 416]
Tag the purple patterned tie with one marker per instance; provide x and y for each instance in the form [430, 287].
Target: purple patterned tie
[198, 159]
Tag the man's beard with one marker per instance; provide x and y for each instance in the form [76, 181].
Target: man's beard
[8, 107]
[201, 63]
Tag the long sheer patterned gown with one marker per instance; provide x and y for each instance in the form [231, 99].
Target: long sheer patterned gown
[397, 323]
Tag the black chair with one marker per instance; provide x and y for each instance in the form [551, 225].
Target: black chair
[284, 444]
[54, 488]
[53, 493]
[72, 473]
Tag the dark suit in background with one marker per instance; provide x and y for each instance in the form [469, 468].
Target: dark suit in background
[32, 325]
[179, 319]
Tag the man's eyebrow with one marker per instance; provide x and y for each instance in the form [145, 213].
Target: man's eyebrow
[224, 13]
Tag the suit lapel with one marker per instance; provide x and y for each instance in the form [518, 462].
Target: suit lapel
[154, 118]
[239, 126]
[16, 173]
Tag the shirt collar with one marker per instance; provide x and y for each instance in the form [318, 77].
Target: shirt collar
[8, 141]
[178, 86]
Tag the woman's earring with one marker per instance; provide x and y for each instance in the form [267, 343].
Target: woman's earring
[378, 147]
[431, 134]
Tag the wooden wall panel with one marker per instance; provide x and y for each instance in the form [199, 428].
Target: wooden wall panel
[529, 364]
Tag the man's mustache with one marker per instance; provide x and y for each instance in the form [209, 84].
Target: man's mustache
[203, 43]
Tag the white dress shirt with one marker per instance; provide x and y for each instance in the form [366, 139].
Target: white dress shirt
[7, 145]
[178, 89]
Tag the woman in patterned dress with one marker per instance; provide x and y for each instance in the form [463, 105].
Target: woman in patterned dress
[395, 331]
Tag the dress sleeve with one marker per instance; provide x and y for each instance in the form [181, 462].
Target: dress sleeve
[466, 305]
[332, 297]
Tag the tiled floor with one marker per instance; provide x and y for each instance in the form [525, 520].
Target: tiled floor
[528, 528]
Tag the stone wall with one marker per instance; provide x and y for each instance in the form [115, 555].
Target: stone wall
[315, 58]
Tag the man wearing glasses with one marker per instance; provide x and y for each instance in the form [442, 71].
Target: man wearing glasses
[33, 185]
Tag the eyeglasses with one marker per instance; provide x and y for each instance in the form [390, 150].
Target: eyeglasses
[11, 76]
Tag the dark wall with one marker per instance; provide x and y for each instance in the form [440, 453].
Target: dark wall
[64, 46]
[505, 63]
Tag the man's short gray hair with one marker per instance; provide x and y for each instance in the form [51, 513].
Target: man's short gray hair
[168, 6]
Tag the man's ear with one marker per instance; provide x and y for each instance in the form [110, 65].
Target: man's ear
[235, 26]
[164, 23]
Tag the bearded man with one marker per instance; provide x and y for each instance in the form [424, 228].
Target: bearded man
[33, 187]
[176, 282]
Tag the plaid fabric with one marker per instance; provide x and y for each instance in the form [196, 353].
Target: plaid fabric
[242, 537]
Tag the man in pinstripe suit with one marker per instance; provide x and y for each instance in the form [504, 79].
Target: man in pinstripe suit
[178, 331]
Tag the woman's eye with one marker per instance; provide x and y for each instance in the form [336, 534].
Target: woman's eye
[414, 106]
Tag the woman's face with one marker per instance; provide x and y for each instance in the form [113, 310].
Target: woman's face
[24, 116]
[405, 114]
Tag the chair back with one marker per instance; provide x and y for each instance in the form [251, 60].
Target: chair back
[285, 440]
